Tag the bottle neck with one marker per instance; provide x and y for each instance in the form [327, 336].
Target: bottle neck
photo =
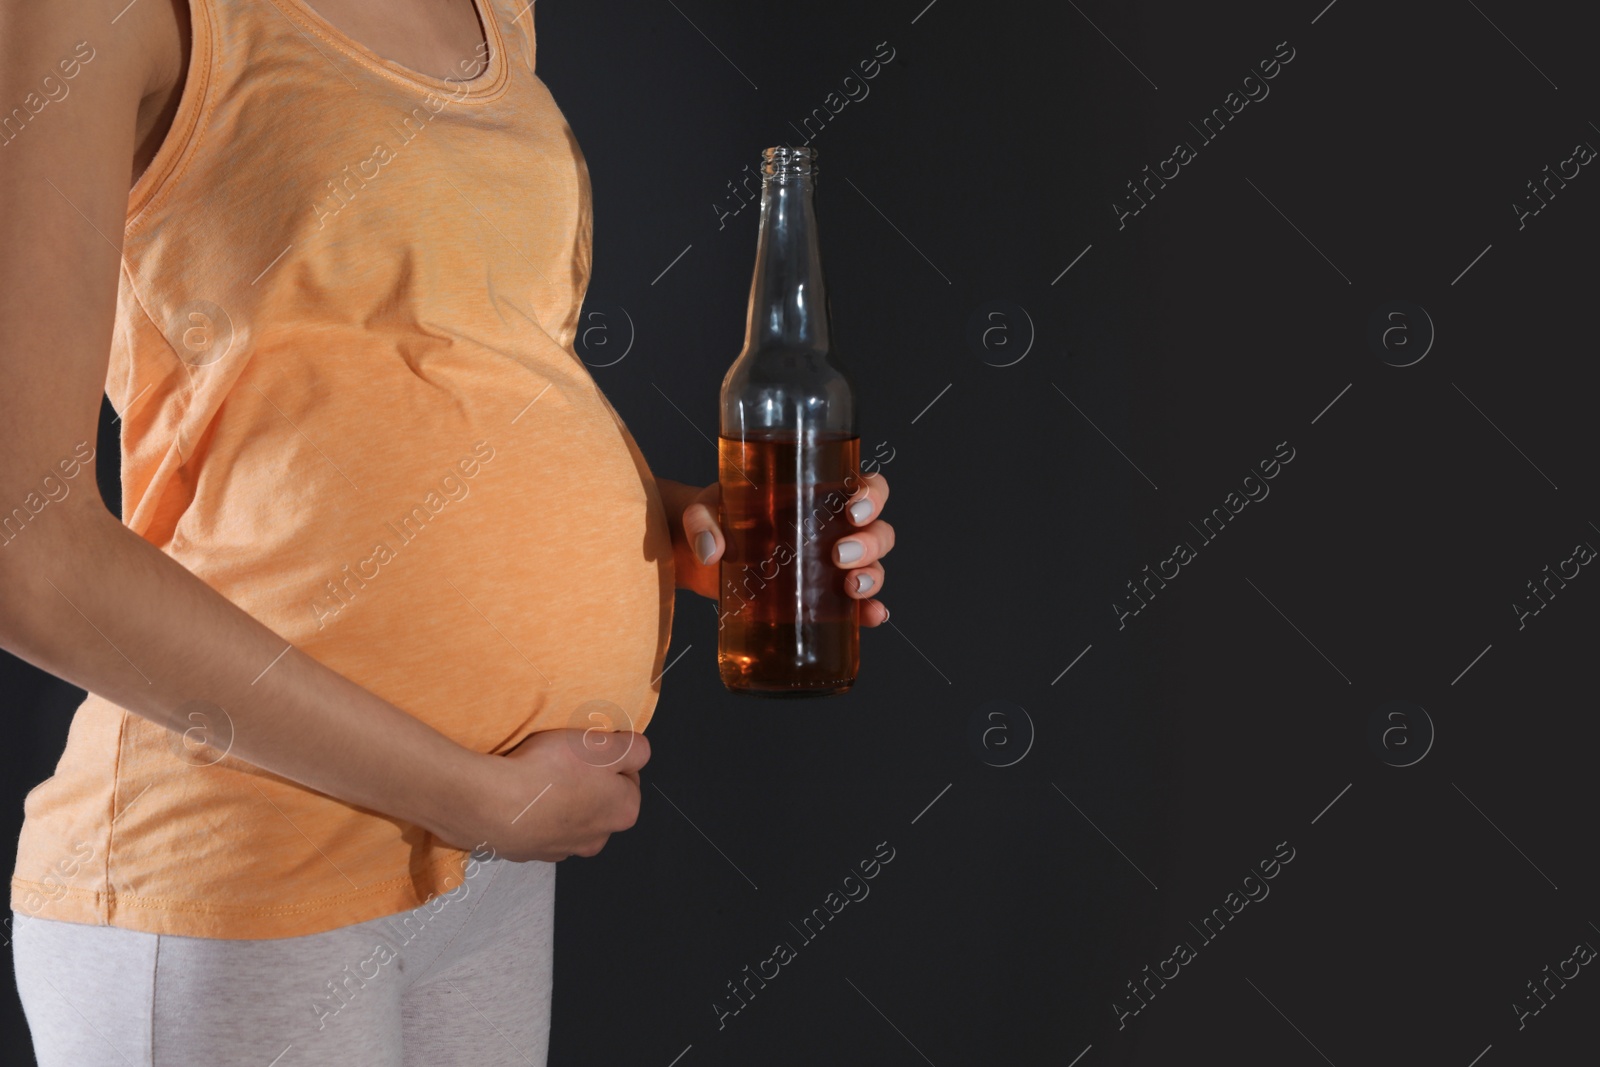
[788, 300]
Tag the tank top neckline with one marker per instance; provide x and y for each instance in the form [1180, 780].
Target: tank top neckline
[486, 84]
[205, 54]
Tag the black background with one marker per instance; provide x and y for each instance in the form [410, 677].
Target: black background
[1230, 715]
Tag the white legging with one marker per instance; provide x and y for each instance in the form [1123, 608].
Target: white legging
[462, 980]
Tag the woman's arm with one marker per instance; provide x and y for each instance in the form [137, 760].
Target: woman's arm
[86, 599]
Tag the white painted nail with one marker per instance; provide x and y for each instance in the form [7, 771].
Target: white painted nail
[864, 582]
[861, 510]
[850, 551]
[705, 543]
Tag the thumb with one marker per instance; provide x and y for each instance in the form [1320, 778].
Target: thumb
[700, 527]
[636, 754]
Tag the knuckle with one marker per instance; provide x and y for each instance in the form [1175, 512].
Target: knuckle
[628, 814]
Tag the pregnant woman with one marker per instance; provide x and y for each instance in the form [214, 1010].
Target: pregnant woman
[386, 551]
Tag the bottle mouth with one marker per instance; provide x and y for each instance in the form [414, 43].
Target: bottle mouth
[784, 163]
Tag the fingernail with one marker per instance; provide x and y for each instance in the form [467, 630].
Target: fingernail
[864, 582]
[705, 543]
[861, 509]
[849, 551]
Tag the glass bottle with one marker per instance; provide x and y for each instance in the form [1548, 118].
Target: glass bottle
[789, 462]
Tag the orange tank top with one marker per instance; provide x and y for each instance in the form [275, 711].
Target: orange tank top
[350, 403]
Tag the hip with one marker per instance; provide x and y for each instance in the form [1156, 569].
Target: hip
[383, 991]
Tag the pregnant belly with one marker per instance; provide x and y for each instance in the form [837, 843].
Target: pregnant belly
[498, 578]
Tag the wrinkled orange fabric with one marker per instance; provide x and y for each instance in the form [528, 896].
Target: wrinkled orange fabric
[350, 403]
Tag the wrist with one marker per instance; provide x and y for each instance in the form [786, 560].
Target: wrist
[458, 800]
[675, 496]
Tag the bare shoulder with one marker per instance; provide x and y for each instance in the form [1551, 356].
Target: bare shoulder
[57, 40]
[78, 81]
[119, 63]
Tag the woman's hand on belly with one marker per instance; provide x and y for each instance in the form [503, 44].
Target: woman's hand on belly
[698, 544]
[559, 793]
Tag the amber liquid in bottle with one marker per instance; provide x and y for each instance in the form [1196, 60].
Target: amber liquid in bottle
[788, 627]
